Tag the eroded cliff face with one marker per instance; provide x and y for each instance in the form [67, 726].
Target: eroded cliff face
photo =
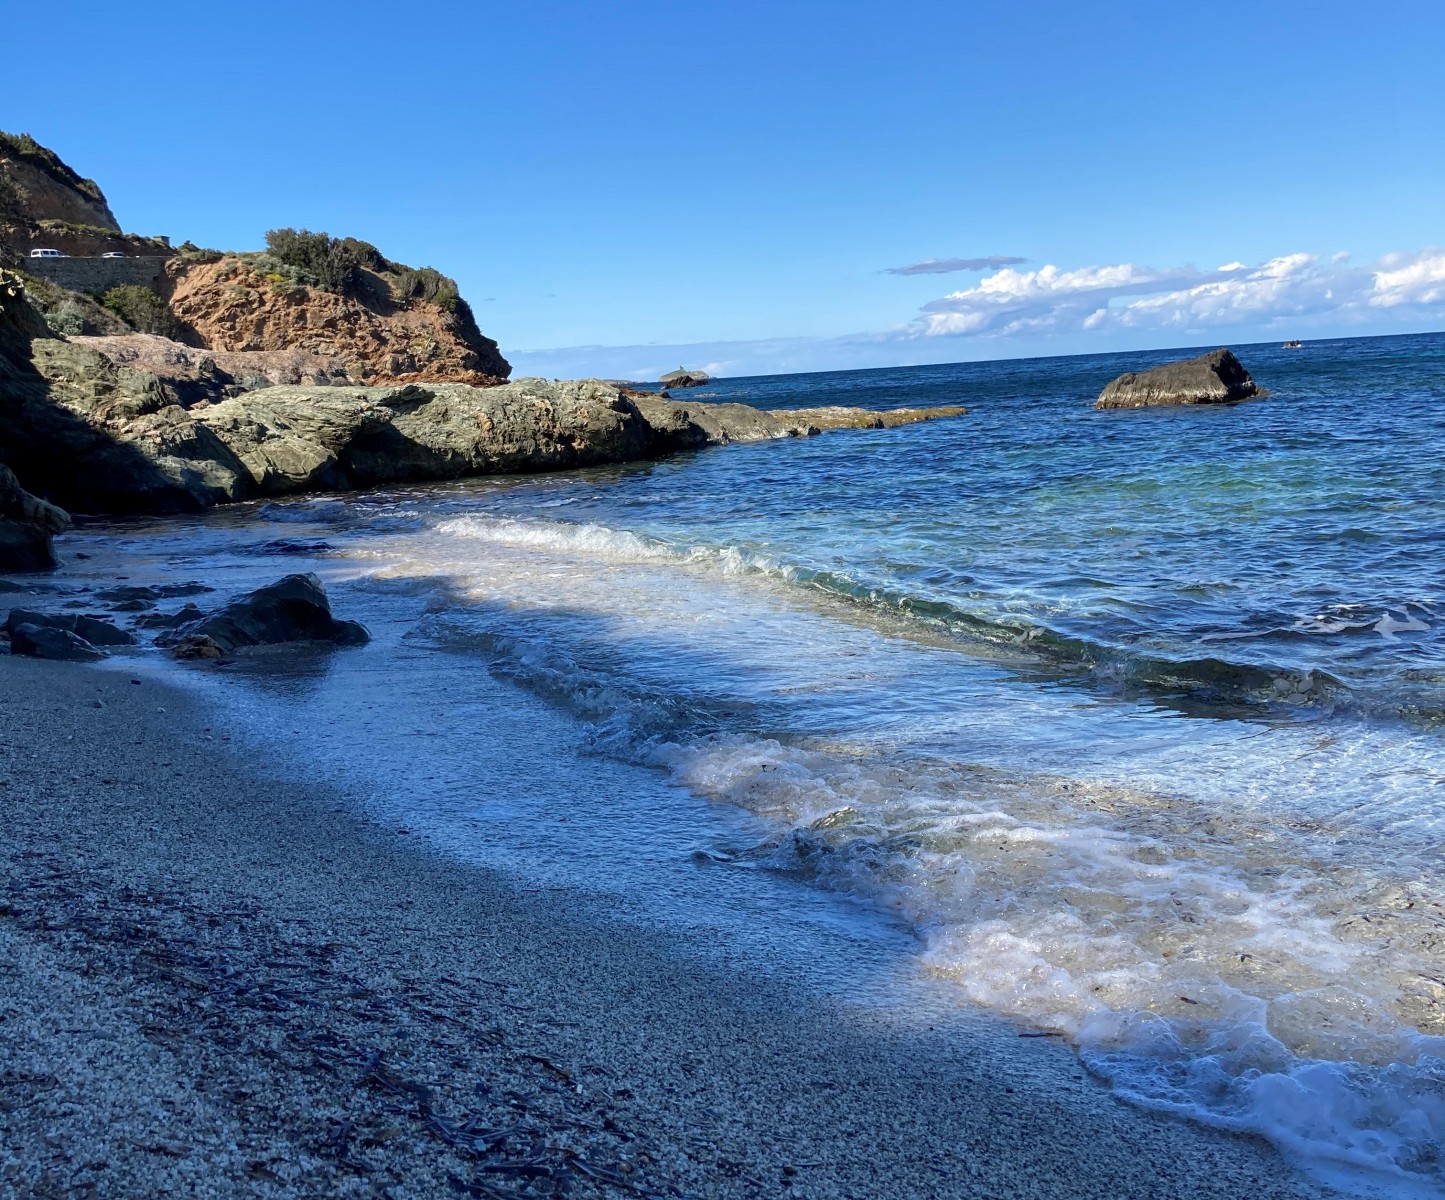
[48, 193]
[231, 305]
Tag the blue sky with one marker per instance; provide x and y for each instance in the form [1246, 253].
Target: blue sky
[620, 187]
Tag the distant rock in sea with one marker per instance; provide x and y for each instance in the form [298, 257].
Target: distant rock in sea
[682, 378]
[1214, 378]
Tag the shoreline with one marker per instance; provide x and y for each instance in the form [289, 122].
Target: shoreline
[218, 984]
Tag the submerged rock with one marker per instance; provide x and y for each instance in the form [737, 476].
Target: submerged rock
[48, 641]
[1214, 378]
[293, 609]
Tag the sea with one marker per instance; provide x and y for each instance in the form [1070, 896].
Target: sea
[1127, 727]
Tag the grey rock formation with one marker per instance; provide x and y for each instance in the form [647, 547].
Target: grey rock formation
[92, 629]
[293, 609]
[45, 641]
[1214, 378]
[26, 527]
[95, 436]
[287, 442]
[445, 431]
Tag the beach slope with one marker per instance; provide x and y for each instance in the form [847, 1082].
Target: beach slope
[212, 985]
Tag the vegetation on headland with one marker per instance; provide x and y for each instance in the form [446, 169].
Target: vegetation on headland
[25, 148]
[376, 317]
[340, 265]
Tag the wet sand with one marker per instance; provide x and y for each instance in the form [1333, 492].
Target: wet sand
[215, 985]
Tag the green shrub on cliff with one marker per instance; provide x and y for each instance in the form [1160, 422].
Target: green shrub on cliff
[334, 263]
[142, 310]
[424, 283]
[67, 320]
[339, 265]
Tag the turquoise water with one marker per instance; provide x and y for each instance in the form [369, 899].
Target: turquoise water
[1132, 720]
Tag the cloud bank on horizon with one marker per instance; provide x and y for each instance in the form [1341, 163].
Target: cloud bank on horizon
[1012, 313]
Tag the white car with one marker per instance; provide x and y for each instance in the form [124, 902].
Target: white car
[47, 254]
[112, 254]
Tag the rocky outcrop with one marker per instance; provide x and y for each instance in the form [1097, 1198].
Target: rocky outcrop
[284, 443]
[448, 431]
[48, 188]
[189, 375]
[293, 609]
[681, 425]
[819, 420]
[1214, 378]
[683, 378]
[231, 305]
[26, 527]
[96, 436]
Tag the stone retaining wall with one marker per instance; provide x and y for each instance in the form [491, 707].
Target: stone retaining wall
[97, 275]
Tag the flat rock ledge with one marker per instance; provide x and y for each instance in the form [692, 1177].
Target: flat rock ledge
[1214, 378]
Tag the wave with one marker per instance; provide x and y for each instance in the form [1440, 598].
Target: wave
[1193, 956]
[1202, 680]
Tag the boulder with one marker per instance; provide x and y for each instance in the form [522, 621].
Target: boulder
[1214, 378]
[91, 629]
[46, 641]
[293, 609]
[26, 526]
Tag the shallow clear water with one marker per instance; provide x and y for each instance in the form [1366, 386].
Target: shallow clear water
[1132, 718]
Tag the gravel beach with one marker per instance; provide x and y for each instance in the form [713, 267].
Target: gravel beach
[213, 985]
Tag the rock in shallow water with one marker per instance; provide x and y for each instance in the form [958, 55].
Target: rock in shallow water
[293, 609]
[1214, 378]
[91, 629]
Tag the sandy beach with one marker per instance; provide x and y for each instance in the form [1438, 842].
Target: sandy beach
[216, 986]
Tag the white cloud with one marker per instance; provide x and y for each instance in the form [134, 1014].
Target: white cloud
[1051, 310]
[943, 266]
[1410, 279]
[1123, 296]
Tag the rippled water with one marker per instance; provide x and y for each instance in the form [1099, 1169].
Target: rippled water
[1132, 717]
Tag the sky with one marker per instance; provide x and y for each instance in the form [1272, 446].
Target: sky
[627, 186]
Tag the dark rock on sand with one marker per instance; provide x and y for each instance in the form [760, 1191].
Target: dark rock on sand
[1214, 378]
[48, 641]
[92, 629]
[294, 609]
[26, 526]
